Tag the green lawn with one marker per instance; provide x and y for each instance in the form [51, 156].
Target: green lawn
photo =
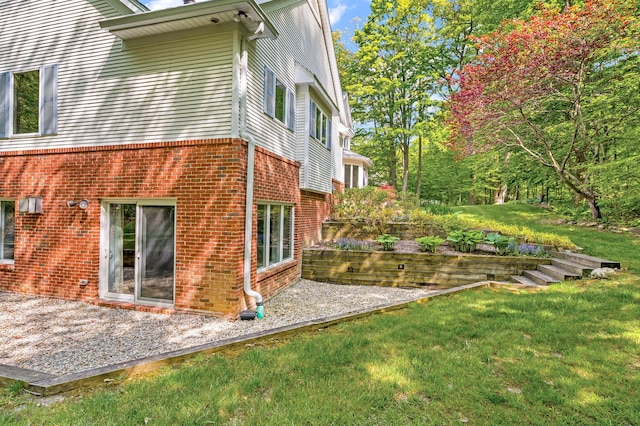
[568, 355]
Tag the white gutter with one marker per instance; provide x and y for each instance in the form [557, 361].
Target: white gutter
[251, 153]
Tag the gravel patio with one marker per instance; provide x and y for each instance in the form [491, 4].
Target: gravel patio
[60, 337]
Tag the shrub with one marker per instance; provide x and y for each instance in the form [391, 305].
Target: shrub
[429, 243]
[437, 208]
[500, 242]
[371, 205]
[523, 233]
[466, 241]
[387, 241]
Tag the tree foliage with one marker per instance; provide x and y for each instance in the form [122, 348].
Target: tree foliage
[561, 87]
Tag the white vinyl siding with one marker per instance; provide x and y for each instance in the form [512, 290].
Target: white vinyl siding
[107, 96]
[268, 132]
[319, 168]
[280, 56]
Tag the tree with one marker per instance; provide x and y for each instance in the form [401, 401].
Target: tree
[551, 87]
[390, 83]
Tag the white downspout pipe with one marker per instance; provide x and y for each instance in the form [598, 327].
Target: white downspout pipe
[251, 154]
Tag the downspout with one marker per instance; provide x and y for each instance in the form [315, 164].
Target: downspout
[251, 154]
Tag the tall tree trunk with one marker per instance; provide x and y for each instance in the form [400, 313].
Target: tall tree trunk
[501, 195]
[393, 163]
[405, 165]
[419, 174]
[471, 197]
[595, 208]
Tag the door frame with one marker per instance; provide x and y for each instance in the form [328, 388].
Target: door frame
[103, 285]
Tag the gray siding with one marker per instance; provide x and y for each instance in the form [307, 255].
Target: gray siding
[172, 91]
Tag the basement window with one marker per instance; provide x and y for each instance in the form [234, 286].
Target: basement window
[7, 230]
[275, 234]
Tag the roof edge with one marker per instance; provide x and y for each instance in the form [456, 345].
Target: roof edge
[184, 12]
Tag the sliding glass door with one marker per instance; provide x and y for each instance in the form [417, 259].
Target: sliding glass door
[138, 262]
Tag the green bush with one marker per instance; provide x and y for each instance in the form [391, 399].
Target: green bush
[369, 205]
[387, 241]
[500, 242]
[466, 241]
[429, 243]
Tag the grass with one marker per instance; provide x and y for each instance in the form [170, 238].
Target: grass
[568, 355]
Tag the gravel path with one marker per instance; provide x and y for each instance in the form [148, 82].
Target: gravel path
[62, 337]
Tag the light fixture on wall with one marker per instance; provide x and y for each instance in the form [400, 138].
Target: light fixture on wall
[242, 16]
[83, 204]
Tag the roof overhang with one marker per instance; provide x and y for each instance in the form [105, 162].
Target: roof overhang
[350, 157]
[304, 77]
[191, 16]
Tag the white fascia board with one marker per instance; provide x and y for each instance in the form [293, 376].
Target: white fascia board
[188, 11]
[127, 7]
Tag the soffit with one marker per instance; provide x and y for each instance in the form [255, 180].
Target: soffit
[190, 16]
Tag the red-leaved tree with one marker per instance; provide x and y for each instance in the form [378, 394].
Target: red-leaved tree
[551, 86]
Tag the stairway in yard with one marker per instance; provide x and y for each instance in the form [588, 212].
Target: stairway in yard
[564, 266]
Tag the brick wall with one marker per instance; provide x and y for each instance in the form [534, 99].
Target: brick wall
[314, 209]
[276, 180]
[55, 252]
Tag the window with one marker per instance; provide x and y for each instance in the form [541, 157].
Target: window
[275, 234]
[7, 228]
[29, 102]
[345, 143]
[319, 125]
[351, 176]
[347, 176]
[26, 95]
[279, 102]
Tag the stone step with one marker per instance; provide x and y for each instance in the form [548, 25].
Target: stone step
[574, 267]
[540, 277]
[558, 273]
[583, 259]
[524, 281]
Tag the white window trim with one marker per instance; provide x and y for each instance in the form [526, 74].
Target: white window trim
[267, 231]
[2, 230]
[47, 102]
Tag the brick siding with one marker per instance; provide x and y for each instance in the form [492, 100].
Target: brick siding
[57, 251]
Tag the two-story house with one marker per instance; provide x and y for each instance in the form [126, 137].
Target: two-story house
[171, 159]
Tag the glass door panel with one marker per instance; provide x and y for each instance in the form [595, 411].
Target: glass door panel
[157, 253]
[121, 265]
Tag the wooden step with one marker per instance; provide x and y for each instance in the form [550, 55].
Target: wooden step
[519, 279]
[557, 272]
[540, 277]
[574, 267]
[583, 259]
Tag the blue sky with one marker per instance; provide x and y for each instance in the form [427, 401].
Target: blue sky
[345, 15]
